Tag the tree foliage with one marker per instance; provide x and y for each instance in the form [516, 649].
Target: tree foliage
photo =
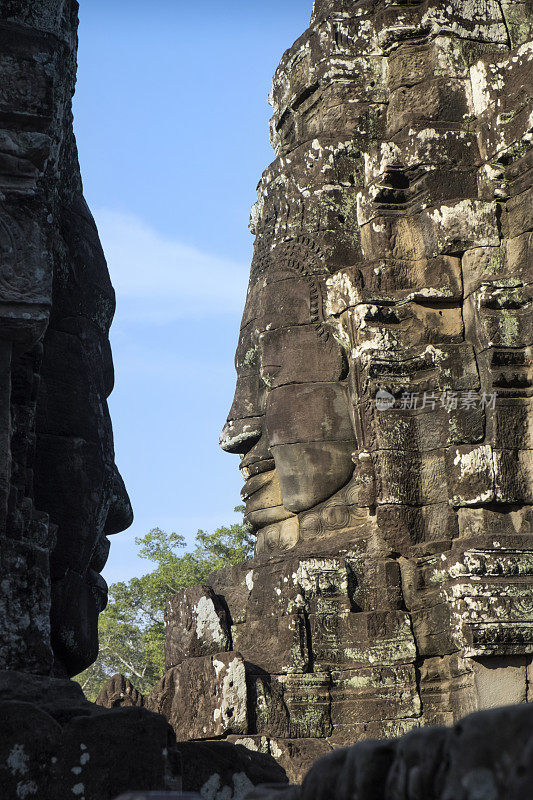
[131, 629]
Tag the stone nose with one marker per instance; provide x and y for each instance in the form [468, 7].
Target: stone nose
[240, 435]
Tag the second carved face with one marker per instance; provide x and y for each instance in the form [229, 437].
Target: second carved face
[75, 454]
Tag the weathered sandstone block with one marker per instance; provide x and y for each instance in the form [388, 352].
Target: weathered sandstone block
[203, 697]
[196, 625]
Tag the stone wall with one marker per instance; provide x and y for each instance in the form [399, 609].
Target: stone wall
[487, 755]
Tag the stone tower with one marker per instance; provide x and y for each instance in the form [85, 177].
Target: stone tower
[383, 404]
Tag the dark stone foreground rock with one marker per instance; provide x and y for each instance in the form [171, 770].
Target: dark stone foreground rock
[486, 756]
[54, 744]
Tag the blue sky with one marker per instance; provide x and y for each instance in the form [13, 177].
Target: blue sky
[171, 120]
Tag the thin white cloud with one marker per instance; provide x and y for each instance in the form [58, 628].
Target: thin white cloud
[159, 279]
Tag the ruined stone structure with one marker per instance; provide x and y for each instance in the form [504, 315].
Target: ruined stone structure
[383, 403]
[486, 755]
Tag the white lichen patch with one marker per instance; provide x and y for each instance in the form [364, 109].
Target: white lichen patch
[218, 666]
[210, 788]
[275, 749]
[213, 789]
[208, 626]
[428, 293]
[242, 785]
[480, 92]
[474, 461]
[234, 694]
[435, 353]
[249, 580]
[341, 293]
[470, 221]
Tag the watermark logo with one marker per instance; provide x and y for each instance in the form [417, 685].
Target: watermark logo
[449, 401]
[384, 400]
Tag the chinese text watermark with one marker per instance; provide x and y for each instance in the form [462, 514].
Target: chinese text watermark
[449, 401]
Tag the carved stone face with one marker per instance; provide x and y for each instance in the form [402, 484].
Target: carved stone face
[77, 482]
[291, 418]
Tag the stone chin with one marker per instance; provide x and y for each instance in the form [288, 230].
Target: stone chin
[78, 598]
[76, 604]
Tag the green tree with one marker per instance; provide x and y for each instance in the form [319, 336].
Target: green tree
[131, 629]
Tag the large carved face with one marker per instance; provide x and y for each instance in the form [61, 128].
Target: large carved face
[77, 482]
[290, 419]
